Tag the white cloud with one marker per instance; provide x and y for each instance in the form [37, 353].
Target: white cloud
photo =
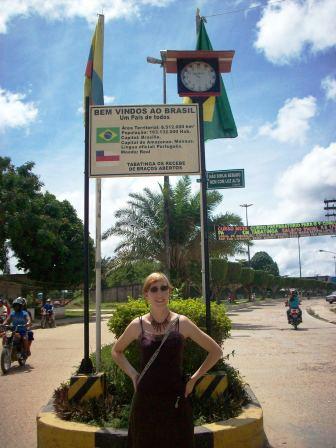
[328, 84]
[286, 29]
[66, 9]
[109, 99]
[292, 122]
[14, 112]
[302, 188]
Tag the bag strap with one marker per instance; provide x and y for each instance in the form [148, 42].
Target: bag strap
[157, 351]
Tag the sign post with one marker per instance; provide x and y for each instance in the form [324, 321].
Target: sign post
[199, 77]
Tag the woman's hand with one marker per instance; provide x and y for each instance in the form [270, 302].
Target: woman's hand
[189, 387]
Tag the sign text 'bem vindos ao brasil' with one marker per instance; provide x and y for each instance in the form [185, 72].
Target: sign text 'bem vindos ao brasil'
[275, 231]
[144, 140]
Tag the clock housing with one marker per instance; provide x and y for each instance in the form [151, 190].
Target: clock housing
[209, 67]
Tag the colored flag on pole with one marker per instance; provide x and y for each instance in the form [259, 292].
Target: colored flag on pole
[217, 115]
[93, 84]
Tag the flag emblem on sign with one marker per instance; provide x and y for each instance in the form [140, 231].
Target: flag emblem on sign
[108, 135]
[107, 158]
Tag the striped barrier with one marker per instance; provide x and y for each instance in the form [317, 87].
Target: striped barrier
[244, 431]
[211, 385]
[84, 387]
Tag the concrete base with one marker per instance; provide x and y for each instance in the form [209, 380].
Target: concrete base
[244, 431]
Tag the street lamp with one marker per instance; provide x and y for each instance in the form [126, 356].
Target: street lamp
[161, 62]
[248, 247]
[330, 252]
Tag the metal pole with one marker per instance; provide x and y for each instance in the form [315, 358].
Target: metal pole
[299, 255]
[248, 247]
[166, 189]
[98, 273]
[86, 364]
[204, 222]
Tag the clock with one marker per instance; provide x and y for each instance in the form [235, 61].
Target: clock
[198, 77]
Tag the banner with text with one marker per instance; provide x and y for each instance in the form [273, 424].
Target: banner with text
[144, 140]
[275, 231]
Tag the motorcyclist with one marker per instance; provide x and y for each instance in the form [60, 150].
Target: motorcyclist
[30, 333]
[20, 317]
[48, 308]
[293, 303]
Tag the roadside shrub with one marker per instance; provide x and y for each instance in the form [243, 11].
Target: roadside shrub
[192, 308]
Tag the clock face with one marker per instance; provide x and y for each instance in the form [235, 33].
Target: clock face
[198, 76]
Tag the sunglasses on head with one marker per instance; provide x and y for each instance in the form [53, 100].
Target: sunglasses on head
[156, 288]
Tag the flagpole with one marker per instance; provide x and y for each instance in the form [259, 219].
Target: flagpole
[98, 248]
[86, 364]
[204, 208]
[98, 273]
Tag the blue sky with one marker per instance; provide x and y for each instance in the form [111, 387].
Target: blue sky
[282, 91]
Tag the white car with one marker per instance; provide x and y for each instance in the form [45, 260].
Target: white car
[331, 298]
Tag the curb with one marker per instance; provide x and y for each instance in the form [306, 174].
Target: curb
[244, 431]
[315, 314]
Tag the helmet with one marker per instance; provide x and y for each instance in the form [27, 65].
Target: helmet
[48, 300]
[18, 301]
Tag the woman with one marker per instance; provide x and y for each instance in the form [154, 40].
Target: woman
[161, 415]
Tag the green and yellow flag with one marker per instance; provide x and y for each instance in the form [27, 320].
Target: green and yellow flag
[217, 115]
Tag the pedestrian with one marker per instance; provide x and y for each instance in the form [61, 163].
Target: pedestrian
[161, 413]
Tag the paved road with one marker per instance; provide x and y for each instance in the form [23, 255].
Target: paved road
[56, 353]
[292, 373]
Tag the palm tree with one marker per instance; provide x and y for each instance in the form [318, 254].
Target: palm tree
[141, 227]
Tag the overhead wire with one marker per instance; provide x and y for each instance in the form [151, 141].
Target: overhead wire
[233, 11]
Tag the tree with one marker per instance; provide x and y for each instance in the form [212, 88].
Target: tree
[141, 227]
[262, 261]
[45, 234]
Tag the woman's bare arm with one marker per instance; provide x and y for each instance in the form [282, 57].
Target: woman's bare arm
[129, 335]
[190, 330]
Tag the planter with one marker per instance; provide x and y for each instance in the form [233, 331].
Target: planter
[244, 431]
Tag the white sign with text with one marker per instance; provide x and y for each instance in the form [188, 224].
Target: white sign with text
[144, 140]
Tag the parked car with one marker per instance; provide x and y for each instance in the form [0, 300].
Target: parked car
[331, 298]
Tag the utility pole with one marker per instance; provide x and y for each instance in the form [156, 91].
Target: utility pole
[248, 247]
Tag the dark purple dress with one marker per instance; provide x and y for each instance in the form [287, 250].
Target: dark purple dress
[160, 416]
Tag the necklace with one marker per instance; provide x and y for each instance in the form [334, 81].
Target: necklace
[159, 327]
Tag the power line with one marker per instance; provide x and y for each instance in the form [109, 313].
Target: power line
[233, 11]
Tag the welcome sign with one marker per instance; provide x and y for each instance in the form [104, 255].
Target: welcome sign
[144, 140]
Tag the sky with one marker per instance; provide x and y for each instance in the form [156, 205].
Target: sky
[282, 91]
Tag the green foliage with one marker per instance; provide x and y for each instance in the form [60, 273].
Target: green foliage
[194, 355]
[219, 269]
[225, 407]
[247, 276]
[262, 261]
[141, 227]
[45, 234]
[128, 273]
[234, 272]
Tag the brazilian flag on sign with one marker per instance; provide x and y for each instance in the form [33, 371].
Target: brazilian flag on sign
[108, 135]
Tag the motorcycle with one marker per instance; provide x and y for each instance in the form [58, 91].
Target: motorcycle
[295, 318]
[12, 347]
[48, 319]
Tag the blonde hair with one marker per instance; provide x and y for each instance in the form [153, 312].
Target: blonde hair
[153, 278]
